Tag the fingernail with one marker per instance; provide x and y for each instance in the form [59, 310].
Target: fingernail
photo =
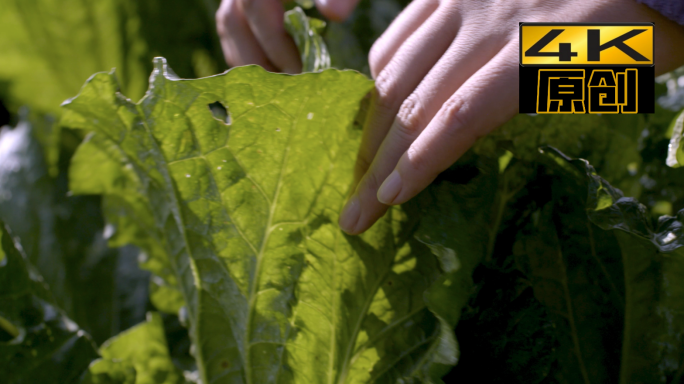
[350, 214]
[390, 188]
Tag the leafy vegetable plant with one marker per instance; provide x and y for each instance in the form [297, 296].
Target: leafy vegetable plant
[241, 219]
[518, 264]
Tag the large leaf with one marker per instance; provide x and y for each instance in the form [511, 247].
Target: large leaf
[618, 306]
[39, 343]
[241, 217]
[653, 262]
[572, 272]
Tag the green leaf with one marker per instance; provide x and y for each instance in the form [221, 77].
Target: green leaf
[103, 371]
[241, 217]
[455, 223]
[165, 298]
[44, 345]
[143, 347]
[651, 259]
[573, 274]
[306, 32]
[101, 289]
[50, 46]
[608, 142]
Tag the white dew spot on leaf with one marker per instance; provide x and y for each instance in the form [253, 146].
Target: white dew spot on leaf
[669, 238]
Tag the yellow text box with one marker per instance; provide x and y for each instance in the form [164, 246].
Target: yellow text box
[577, 37]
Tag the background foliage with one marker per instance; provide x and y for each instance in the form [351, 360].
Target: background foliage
[543, 268]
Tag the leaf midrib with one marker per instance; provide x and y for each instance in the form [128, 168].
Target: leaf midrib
[362, 314]
[164, 170]
[255, 282]
[571, 316]
[592, 245]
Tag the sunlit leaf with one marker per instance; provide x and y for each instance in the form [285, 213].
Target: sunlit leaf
[143, 347]
[105, 371]
[241, 217]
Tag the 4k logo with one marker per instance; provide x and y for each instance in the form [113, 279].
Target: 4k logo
[586, 68]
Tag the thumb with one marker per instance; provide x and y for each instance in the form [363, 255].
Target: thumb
[336, 10]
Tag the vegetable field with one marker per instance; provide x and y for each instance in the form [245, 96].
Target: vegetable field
[183, 228]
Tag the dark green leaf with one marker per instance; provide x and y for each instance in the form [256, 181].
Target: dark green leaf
[350, 42]
[610, 143]
[101, 289]
[652, 265]
[504, 326]
[45, 346]
[574, 278]
[455, 224]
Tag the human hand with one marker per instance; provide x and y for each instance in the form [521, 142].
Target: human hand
[253, 32]
[447, 74]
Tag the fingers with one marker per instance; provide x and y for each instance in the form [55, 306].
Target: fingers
[486, 100]
[408, 21]
[399, 78]
[240, 46]
[465, 56]
[265, 17]
[336, 10]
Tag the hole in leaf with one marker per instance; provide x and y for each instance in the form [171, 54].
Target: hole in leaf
[220, 112]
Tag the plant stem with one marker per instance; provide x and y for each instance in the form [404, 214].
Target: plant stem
[8, 327]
